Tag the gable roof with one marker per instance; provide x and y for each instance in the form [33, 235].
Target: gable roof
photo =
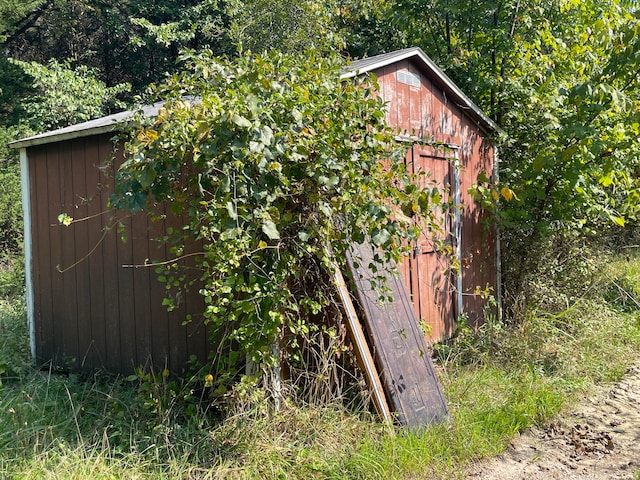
[111, 123]
[437, 76]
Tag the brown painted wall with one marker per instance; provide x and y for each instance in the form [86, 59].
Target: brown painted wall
[424, 111]
[97, 313]
[91, 311]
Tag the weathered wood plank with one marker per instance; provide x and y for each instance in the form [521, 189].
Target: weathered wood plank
[398, 344]
[362, 351]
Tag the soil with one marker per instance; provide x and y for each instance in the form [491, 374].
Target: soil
[596, 439]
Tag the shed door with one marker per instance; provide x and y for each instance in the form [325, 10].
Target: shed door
[430, 278]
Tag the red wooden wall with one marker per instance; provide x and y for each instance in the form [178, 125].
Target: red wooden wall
[102, 313]
[419, 108]
[92, 309]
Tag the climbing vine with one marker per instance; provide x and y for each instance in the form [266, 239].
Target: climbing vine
[276, 165]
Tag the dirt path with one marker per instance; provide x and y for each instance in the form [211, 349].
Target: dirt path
[597, 439]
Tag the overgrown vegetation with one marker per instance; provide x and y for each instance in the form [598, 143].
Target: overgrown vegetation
[277, 167]
[558, 76]
[63, 95]
[10, 214]
[498, 381]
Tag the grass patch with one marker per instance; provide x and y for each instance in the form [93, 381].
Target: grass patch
[498, 381]
[14, 343]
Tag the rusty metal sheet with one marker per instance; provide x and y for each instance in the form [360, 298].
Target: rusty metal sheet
[398, 344]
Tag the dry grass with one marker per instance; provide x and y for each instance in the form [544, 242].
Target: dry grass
[498, 381]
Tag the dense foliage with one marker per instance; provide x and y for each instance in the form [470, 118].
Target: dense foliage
[11, 213]
[274, 161]
[121, 39]
[262, 25]
[63, 96]
[560, 77]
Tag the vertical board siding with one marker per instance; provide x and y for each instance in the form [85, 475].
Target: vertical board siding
[159, 319]
[79, 209]
[128, 329]
[92, 309]
[478, 241]
[108, 251]
[141, 287]
[68, 254]
[66, 346]
[426, 112]
[101, 314]
[401, 93]
[97, 320]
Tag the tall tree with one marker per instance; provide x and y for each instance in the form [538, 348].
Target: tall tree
[570, 113]
[560, 77]
[262, 25]
[368, 28]
[121, 39]
[18, 15]
[63, 95]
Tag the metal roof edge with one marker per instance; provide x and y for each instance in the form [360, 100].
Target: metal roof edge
[56, 136]
[370, 63]
[378, 61]
[107, 124]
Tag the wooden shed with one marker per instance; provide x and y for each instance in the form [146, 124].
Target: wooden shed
[89, 303]
[450, 138]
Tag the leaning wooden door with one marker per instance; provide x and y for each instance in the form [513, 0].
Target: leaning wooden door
[428, 271]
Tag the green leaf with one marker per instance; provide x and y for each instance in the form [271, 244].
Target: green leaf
[146, 176]
[326, 208]
[65, 219]
[381, 237]
[270, 230]
[240, 121]
[618, 220]
[605, 181]
[539, 163]
[231, 210]
[267, 135]
[303, 236]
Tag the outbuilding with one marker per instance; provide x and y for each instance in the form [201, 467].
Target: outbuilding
[452, 274]
[93, 302]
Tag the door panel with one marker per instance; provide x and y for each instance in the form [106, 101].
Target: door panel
[427, 271]
[398, 344]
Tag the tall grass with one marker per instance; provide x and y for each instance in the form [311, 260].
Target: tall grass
[498, 381]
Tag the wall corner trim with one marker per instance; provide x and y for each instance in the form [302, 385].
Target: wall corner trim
[498, 248]
[28, 248]
[457, 230]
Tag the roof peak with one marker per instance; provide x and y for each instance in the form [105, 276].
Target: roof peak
[368, 64]
[111, 123]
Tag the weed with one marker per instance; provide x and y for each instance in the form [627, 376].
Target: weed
[11, 276]
[13, 339]
[499, 380]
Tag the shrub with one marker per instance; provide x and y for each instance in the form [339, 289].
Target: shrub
[277, 165]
